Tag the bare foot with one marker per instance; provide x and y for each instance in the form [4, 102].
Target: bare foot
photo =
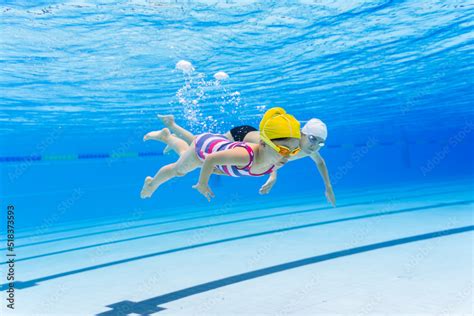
[167, 120]
[161, 135]
[148, 188]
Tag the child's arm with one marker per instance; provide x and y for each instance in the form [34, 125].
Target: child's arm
[265, 189]
[237, 156]
[218, 172]
[323, 171]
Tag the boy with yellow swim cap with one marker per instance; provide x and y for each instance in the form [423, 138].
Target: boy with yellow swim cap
[215, 153]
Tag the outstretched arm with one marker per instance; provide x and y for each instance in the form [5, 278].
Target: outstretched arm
[237, 156]
[323, 171]
[265, 189]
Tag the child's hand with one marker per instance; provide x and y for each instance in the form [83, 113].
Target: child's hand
[204, 190]
[330, 196]
[265, 189]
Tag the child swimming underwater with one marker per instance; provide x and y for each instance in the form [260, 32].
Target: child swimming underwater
[279, 133]
[313, 136]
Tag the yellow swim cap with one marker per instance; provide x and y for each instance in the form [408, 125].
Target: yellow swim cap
[276, 123]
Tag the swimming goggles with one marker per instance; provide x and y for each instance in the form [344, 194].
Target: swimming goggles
[281, 149]
[316, 140]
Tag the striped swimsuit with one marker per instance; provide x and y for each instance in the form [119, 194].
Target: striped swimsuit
[210, 143]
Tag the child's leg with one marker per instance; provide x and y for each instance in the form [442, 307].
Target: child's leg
[168, 121]
[175, 143]
[187, 162]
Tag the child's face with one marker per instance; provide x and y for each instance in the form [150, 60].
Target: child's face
[307, 146]
[277, 159]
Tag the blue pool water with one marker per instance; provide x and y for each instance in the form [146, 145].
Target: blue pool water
[81, 82]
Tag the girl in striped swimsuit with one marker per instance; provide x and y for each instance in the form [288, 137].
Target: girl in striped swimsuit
[280, 134]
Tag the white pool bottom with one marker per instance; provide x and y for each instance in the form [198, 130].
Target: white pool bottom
[432, 276]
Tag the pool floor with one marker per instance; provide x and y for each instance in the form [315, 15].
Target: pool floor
[396, 250]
